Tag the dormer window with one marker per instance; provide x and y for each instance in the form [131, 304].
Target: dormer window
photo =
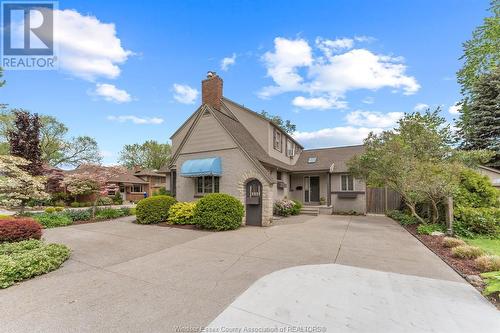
[277, 140]
[312, 160]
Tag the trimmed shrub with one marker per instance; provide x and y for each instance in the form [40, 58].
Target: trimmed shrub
[182, 213]
[50, 210]
[26, 259]
[154, 209]
[427, 229]
[6, 217]
[476, 190]
[15, 230]
[104, 201]
[218, 211]
[162, 191]
[58, 209]
[452, 242]
[467, 252]
[477, 221]
[75, 204]
[79, 214]
[53, 220]
[488, 263]
[402, 218]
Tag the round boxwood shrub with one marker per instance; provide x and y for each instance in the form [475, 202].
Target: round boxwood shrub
[15, 230]
[218, 211]
[154, 209]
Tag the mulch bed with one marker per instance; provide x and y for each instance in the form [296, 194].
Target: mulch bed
[435, 243]
[464, 267]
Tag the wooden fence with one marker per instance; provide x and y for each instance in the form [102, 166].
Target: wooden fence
[380, 200]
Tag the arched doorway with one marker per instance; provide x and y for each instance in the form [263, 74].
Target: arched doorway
[253, 203]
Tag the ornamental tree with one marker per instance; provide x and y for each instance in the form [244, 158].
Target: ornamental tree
[17, 186]
[94, 180]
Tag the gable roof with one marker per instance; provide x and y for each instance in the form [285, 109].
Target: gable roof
[230, 105]
[126, 177]
[325, 157]
[148, 172]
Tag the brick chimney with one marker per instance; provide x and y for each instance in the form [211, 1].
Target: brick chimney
[211, 90]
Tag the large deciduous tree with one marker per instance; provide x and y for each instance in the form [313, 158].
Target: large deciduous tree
[150, 154]
[17, 186]
[24, 140]
[56, 149]
[416, 160]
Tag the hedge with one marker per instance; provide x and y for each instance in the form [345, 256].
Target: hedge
[218, 211]
[154, 209]
[14, 230]
[477, 221]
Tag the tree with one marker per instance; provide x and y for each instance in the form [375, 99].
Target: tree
[416, 160]
[24, 140]
[150, 155]
[2, 82]
[479, 122]
[481, 55]
[286, 125]
[17, 186]
[94, 180]
[55, 178]
[57, 150]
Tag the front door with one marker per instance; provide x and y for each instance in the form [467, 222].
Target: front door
[254, 203]
[311, 189]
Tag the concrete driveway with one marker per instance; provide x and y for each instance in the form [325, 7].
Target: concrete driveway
[124, 277]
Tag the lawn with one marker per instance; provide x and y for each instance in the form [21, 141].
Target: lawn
[491, 246]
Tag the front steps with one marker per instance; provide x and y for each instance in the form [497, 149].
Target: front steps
[308, 210]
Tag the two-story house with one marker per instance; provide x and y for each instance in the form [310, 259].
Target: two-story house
[226, 147]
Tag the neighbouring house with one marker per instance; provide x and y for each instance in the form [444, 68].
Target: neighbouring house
[226, 147]
[491, 173]
[133, 185]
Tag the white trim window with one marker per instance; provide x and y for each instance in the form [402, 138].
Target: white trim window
[206, 184]
[290, 148]
[346, 183]
[137, 188]
[277, 140]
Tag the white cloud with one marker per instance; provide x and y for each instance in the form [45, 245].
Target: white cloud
[421, 107]
[320, 103]
[185, 94]
[340, 68]
[106, 153]
[227, 62]
[282, 65]
[454, 109]
[88, 48]
[111, 93]
[137, 120]
[335, 136]
[375, 119]
[368, 100]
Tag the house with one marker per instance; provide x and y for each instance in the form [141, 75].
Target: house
[226, 147]
[491, 173]
[133, 185]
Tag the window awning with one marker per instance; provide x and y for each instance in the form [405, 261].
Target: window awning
[202, 167]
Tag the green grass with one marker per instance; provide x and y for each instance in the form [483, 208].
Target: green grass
[489, 245]
[492, 280]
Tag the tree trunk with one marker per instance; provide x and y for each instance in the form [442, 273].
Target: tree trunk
[94, 207]
[435, 211]
[414, 213]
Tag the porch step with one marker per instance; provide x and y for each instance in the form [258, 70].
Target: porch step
[309, 210]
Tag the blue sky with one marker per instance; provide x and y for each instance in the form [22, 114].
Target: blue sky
[131, 70]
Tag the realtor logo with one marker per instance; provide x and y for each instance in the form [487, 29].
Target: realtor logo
[28, 35]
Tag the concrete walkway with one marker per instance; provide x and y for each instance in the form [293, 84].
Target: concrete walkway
[124, 277]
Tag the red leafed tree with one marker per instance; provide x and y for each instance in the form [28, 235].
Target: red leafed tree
[24, 141]
[91, 179]
[55, 178]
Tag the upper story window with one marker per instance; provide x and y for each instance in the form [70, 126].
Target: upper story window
[312, 160]
[347, 183]
[290, 148]
[278, 175]
[277, 140]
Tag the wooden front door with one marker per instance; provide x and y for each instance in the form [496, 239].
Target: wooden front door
[254, 203]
